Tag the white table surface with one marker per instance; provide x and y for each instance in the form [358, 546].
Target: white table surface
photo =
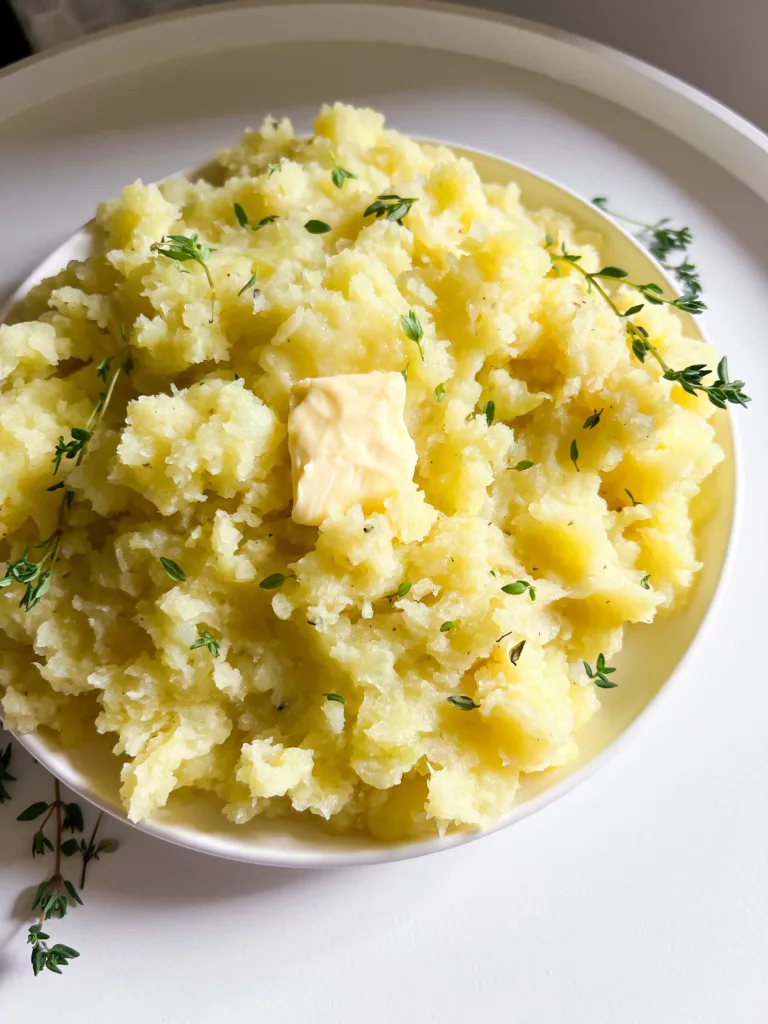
[640, 898]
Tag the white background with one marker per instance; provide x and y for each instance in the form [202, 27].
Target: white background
[641, 898]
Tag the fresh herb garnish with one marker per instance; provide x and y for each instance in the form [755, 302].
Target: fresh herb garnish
[182, 249]
[75, 448]
[600, 674]
[317, 227]
[448, 627]
[173, 569]
[462, 702]
[35, 576]
[77, 445]
[690, 379]
[5, 775]
[516, 651]
[242, 219]
[277, 579]
[645, 582]
[489, 411]
[591, 421]
[102, 368]
[412, 327]
[661, 240]
[340, 174]
[401, 591]
[520, 587]
[391, 206]
[248, 284]
[524, 464]
[575, 455]
[335, 696]
[271, 168]
[440, 392]
[207, 640]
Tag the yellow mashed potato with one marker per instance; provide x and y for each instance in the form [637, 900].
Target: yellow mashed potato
[191, 463]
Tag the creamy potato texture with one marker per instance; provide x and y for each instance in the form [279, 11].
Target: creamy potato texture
[190, 462]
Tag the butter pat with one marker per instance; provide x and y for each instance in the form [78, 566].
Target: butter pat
[349, 444]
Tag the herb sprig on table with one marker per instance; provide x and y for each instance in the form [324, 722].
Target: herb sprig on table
[5, 775]
[56, 895]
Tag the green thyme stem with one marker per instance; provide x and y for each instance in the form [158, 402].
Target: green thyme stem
[88, 852]
[47, 817]
[627, 220]
[591, 280]
[690, 379]
[101, 406]
[56, 877]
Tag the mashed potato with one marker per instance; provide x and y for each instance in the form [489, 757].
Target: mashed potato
[206, 678]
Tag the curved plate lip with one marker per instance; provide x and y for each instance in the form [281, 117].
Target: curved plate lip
[189, 838]
[14, 84]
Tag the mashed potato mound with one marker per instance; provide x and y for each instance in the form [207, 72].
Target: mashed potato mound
[190, 463]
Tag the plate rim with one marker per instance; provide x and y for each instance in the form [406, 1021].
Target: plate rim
[17, 79]
[187, 837]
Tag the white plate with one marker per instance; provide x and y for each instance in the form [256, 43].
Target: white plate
[129, 117]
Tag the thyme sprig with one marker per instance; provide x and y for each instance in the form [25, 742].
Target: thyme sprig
[77, 445]
[35, 576]
[242, 219]
[53, 957]
[661, 240]
[413, 330]
[691, 378]
[182, 249]
[5, 775]
[91, 850]
[391, 206]
[599, 675]
[56, 895]
[340, 174]
[208, 640]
